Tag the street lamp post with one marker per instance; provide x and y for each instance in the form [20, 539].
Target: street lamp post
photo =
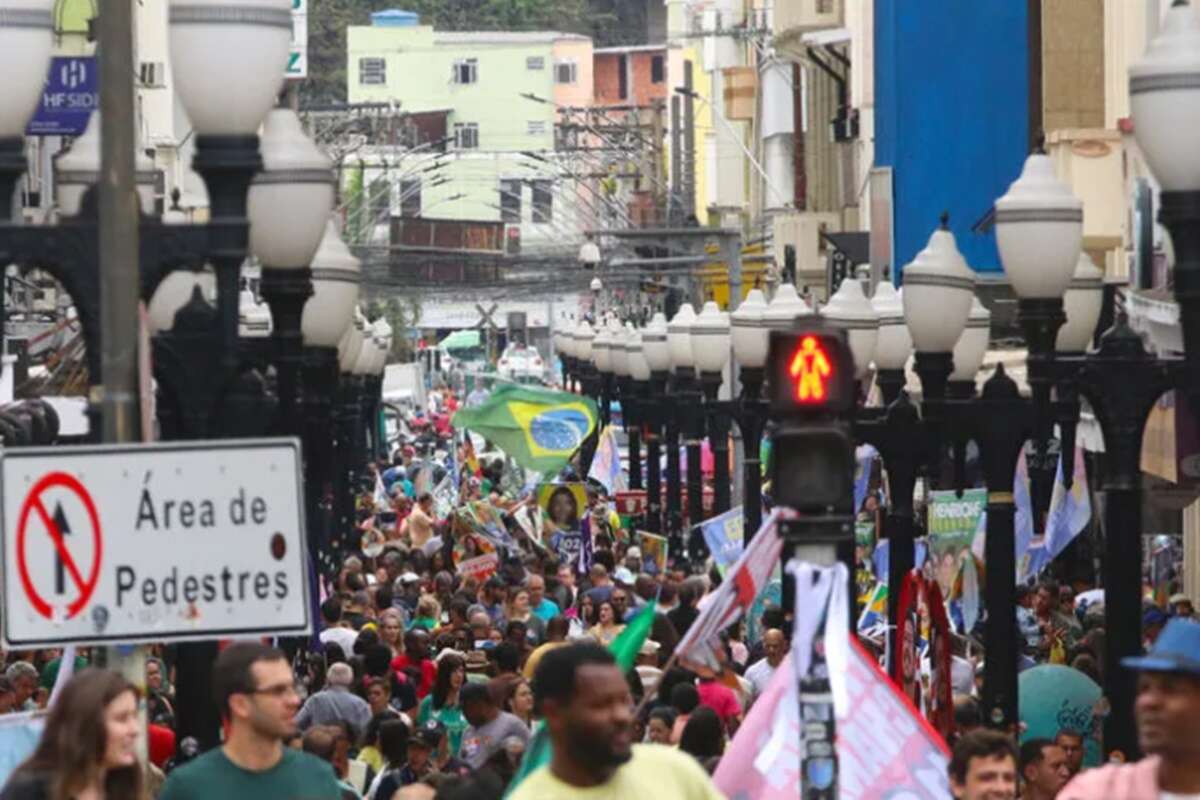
[679, 340]
[657, 354]
[750, 344]
[710, 340]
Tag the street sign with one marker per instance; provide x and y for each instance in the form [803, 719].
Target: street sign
[69, 97]
[130, 543]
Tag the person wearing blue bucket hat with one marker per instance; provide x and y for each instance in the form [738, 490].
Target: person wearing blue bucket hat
[1168, 721]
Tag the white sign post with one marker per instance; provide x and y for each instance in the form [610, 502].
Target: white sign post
[130, 543]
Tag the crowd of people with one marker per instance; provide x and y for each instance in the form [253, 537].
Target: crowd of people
[431, 678]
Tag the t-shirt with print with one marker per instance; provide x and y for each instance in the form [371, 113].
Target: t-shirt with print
[480, 744]
[297, 776]
[653, 771]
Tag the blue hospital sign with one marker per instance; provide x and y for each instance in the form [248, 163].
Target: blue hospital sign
[68, 99]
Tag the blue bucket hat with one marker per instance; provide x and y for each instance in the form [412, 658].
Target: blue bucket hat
[1177, 649]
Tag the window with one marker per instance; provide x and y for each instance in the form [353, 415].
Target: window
[410, 198]
[372, 72]
[622, 76]
[510, 200]
[535, 127]
[535, 63]
[657, 73]
[466, 135]
[465, 70]
[379, 195]
[565, 72]
[543, 201]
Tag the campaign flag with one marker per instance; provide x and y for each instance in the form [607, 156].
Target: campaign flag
[884, 748]
[736, 593]
[864, 456]
[624, 648]
[606, 463]
[724, 535]
[469, 458]
[1022, 516]
[875, 609]
[380, 497]
[1070, 509]
[541, 429]
[879, 559]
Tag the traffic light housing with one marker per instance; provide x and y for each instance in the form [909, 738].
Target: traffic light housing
[812, 394]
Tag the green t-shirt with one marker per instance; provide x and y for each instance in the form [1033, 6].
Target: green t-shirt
[297, 776]
[450, 716]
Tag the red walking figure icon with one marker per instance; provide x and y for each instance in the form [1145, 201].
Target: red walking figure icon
[811, 368]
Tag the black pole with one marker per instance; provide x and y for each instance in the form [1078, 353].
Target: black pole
[751, 419]
[653, 429]
[674, 484]
[286, 291]
[694, 422]
[1002, 421]
[718, 440]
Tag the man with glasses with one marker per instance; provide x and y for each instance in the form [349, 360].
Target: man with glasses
[254, 688]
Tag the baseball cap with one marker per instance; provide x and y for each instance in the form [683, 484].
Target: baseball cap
[1177, 649]
[623, 575]
[633, 552]
[410, 577]
[429, 734]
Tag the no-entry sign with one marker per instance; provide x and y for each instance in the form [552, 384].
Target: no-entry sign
[113, 544]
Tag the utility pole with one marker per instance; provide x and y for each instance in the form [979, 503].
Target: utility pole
[116, 393]
[689, 142]
[677, 187]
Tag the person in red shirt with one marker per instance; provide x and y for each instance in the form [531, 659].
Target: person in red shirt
[416, 658]
[721, 699]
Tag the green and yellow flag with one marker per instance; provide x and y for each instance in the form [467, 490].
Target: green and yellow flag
[541, 429]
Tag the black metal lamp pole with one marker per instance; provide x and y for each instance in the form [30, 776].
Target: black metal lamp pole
[320, 378]
[673, 414]
[693, 415]
[631, 415]
[717, 417]
[652, 417]
[751, 417]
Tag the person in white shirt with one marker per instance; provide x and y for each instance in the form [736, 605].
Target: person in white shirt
[331, 616]
[760, 672]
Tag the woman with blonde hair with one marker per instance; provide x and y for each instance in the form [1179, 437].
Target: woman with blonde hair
[391, 630]
[88, 749]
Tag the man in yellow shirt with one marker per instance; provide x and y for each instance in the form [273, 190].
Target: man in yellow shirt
[588, 710]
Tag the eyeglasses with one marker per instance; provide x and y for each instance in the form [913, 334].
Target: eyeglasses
[280, 691]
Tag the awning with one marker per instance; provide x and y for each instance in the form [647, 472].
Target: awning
[461, 340]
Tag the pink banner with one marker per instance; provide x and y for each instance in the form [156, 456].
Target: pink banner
[885, 748]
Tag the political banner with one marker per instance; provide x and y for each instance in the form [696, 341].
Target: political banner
[564, 505]
[953, 522]
[606, 462]
[480, 568]
[724, 535]
[923, 635]
[654, 552]
[885, 749]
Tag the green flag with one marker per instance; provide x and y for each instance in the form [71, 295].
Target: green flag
[541, 429]
[625, 649]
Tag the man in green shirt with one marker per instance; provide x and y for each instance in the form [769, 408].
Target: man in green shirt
[255, 690]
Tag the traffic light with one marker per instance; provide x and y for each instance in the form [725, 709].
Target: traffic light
[811, 391]
[812, 373]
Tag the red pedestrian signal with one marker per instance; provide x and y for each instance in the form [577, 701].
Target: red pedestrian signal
[811, 371]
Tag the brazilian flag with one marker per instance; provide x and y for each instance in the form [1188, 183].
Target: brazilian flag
[541, 429]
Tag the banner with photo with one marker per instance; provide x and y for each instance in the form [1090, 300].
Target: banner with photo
[654, 552]
[564, 508]
[953, 524]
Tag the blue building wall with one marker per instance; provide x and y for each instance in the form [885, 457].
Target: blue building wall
[951, 115]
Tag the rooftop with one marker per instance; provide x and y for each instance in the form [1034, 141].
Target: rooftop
[505, 37]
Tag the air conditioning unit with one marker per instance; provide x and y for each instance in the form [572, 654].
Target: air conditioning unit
[153, 74]
[794, 18]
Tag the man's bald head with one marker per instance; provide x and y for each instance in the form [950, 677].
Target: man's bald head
[774, 646]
